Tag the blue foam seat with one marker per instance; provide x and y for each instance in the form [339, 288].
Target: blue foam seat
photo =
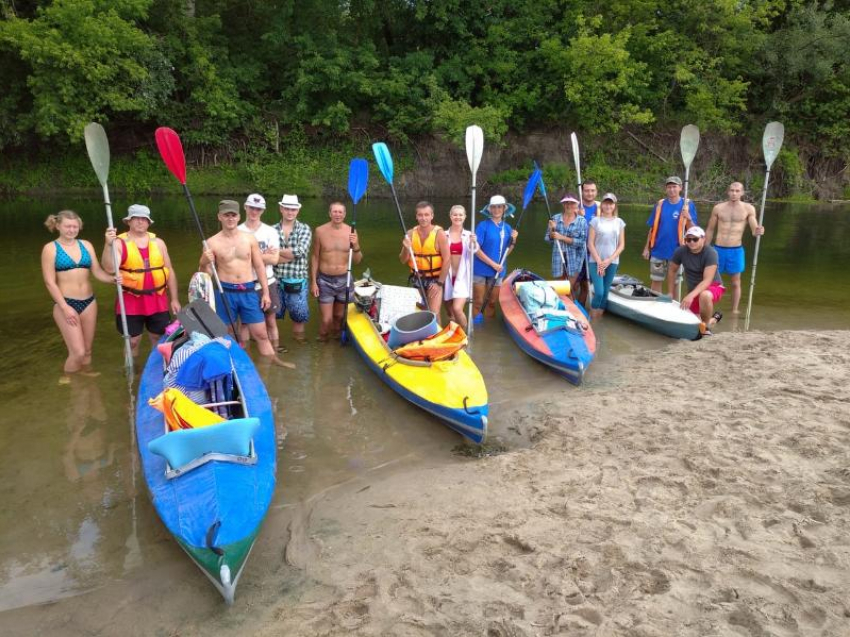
[232, 437]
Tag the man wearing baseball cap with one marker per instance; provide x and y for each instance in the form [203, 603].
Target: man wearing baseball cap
[705, 288]
[269, 242]
[667, 225]
[146, 274]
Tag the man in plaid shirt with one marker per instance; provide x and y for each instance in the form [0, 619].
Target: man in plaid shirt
[567, 233]
[291, 268]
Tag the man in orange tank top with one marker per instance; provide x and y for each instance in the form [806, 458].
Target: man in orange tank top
[146, 273]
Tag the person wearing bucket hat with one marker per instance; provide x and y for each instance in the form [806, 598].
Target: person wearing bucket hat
[496, 239]
[292, 266]
[269, 242]
[146, 276]
[667, 224]
[239, 265]
[605, 243]
[705, 287]
[569, 229]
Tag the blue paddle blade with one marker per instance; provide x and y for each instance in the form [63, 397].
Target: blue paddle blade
[384, 159]
[542, 185]
[358, 177]
[530, 188]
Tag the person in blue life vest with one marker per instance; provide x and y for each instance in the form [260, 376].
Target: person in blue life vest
[667, 226]
[496, 239]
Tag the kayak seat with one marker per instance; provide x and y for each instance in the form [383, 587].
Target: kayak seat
[229, 441]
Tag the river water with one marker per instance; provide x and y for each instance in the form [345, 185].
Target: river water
[74, 513]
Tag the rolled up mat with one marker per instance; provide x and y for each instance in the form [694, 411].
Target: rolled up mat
[412, 327]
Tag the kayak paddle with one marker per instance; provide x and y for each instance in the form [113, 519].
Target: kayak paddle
[474, 151]
[385, 164]
[97, 146]
[688, 144]
[358, 176]
[171, 151]
[549, 212]
[774, 134]
[577, 162]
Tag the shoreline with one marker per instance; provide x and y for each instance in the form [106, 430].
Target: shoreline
[643, 508]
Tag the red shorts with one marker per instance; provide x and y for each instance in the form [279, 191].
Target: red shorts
[716, 290]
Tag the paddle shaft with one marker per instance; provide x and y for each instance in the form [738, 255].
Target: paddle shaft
[685, 209]
[419, 283]
[577, 161]
[212, 263]
[756, 252]
[557, 241]
[125, 331]
[469, 321]
[343, 336]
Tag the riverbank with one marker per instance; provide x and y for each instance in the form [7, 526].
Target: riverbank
[645, 507]
[431, 167]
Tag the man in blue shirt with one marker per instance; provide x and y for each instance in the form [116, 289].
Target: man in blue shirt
[496, 240]
[589, 208]
[667, 226]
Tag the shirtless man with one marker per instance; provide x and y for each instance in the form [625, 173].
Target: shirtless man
[729, 219]
[237, 258]
[329, 268]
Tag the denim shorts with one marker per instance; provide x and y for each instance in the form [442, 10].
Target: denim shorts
[295, 303]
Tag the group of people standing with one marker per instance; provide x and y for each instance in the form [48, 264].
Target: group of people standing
[268, 271]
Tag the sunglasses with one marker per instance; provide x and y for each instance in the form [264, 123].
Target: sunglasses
[691, 239]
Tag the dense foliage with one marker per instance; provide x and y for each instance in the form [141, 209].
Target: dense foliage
[223, 71]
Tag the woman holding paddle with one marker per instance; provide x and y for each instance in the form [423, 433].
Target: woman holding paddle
[65, 265]
[606, 242]
[462, 246]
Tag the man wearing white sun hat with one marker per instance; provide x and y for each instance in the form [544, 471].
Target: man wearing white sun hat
[292, 263]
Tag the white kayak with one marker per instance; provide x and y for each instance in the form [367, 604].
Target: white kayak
[632, 300]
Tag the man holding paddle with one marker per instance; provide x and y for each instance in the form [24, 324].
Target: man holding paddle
[238, 259]
[588, 209]
[146, 274]
[730, 218]
[329, 268]
[426, 251]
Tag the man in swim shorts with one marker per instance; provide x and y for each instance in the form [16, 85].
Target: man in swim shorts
[329, 268]
[238, 260]
[705, 288]
[730, 218]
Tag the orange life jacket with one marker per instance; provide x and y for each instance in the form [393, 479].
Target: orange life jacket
[444, 344]
[133, 269]
[429, 261]
[657, 222]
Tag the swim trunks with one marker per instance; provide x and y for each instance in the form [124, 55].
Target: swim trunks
[137, 323]
[332, 288]
[716, 290]
[730, 260]
[244, 304]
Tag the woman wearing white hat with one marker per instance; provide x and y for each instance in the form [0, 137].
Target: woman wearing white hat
[496, 239]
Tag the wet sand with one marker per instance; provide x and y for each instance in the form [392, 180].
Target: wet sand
[644, 507]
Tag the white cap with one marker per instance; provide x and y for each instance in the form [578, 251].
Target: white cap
[610, 197]
[497, 200]
[695, 231]
[256, 201]
[289, 201]
[140, 211]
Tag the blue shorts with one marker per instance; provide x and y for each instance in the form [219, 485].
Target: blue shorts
[295, 303]
[730, 260]
[243, 302]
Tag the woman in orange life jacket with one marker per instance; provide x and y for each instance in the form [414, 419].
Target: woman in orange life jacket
[66, 264]
[146, 274]
[427, 245]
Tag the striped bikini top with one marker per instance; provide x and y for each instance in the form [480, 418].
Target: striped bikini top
[64, 262]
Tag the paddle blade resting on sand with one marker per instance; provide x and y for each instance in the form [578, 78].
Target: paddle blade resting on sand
[531, 188]
[474, 147]
[98, 148]
[358, 177]
[688, 143]
[384, 159]
[774, 135]
[171, 150]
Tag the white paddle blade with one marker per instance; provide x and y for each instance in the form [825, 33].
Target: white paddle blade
[688, 143]
[774, 134]
[98, 148]
[576, 159]
[474, 147]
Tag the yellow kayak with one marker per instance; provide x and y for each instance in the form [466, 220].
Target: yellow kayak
[451, 389]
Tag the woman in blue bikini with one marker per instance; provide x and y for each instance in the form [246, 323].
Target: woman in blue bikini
[65, 264]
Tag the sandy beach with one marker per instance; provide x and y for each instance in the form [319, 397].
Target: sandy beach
[644, 507]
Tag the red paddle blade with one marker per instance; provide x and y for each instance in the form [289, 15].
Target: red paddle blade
[171, 150]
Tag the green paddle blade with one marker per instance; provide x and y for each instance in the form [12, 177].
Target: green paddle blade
[688, 143]
[474, 147]
[98, 148]
[774, 134]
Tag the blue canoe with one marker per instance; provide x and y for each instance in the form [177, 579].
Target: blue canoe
[213, 506]
[564, 349]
